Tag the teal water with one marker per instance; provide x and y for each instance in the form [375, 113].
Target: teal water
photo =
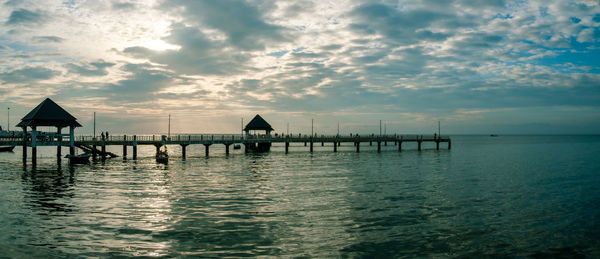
[520, 196]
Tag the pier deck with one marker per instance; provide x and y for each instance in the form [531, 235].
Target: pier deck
[250, 142]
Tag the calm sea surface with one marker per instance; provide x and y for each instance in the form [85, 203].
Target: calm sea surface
[489, 196]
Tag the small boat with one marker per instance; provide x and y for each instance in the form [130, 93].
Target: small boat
[236, 146]
[7, 149]
[493, 135]
[79, 159]
[162, 156]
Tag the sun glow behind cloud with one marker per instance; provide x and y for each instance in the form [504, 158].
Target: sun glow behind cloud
[158, 45]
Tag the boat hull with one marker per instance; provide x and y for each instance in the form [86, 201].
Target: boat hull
[7, 149]
[78, 159]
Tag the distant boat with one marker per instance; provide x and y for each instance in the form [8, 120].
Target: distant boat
[7, 149]
[236, 146]
[493, 135]
[162, 156]
[79, 159]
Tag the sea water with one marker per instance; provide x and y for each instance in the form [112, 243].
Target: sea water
[488, 196]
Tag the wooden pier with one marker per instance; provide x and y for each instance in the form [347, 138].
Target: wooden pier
[97, 146]
[50, 114]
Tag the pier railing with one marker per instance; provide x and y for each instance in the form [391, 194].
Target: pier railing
[50, 139]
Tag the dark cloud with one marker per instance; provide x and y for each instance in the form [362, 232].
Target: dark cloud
[239, 20]
[123, 6]
[48, 39]
[141, 84]
[27, 75]
[92, 69]
[24, 16]
[402, 27]
[198, 54]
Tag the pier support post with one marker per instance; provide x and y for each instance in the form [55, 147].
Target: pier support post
[305, 143]
[287, 146]
[59, 147]
[370, 142]
[206, 149]
[419, 141]
[24, 145]
[357, 146]
[246, 146]
[437, 144]
[335, 145]
[311, 146]
[449, 144]
[124, 147]
[227, 149]
[72, 140]
[103, 150]
[385, 143]
[33, 146]
[378, 146]
[322, 143]
[399, 146]
[134, 147]
[183, 153]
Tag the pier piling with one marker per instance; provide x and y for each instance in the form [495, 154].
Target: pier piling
[183, 153]
[206, 149]
[125, 147]
[134, 147]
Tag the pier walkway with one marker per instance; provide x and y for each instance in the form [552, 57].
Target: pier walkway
[97, 146]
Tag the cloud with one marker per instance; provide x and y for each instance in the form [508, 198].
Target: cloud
[24, 16]
[27, 75]
[92, 69]
[198, 55]
[123, 6]
[241, 22]
[48, 39]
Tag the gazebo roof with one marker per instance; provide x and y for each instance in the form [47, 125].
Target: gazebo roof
[258, 123]
[48, 113]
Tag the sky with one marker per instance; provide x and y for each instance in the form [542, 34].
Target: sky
[476, 66]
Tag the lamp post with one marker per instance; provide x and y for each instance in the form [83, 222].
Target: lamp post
[8, 119]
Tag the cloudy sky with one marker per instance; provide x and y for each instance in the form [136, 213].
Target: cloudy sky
[478, 66]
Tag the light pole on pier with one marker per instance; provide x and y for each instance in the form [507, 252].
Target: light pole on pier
[312, 126]
[8, 119]
[94, 125]
[169, 132]
[380, 128]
